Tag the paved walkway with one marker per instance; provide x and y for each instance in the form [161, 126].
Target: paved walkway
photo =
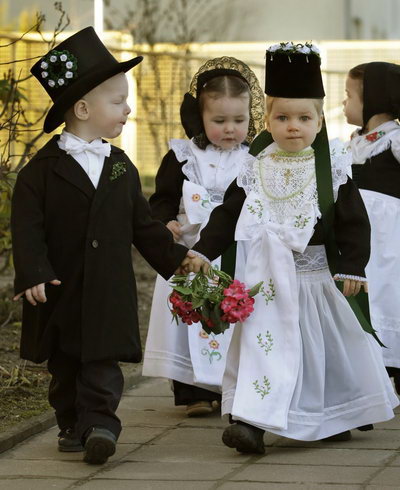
[161, 449]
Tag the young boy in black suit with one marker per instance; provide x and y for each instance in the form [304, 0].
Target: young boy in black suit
[77, 209]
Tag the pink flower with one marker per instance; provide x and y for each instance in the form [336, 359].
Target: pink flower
[213, 344]
[236, 290]
[237, 312]
[203, 334]
[228, 303]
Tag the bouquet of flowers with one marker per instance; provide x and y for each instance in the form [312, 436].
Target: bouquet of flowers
[213, 298]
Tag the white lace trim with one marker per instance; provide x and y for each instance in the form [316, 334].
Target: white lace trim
[362, 149]
[186, 150]
[183, 151]
[341, 277]
[288, 183]
[198, 254]
[312, 259]
[340, 163]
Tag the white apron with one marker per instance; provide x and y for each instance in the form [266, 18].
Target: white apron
[294, 366]
[383, 269]
[181, 352]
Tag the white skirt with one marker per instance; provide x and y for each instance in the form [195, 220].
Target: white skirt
[342, 382]
[183, 352]
[383, 271]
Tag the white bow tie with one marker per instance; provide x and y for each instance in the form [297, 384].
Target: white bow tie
[73, 146]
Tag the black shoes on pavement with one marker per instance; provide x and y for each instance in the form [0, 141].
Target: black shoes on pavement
[68, 441]
[244, 438]
[99, 445]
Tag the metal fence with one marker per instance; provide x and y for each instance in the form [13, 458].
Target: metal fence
[159, 82]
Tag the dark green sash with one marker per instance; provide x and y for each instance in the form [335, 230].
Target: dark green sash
[228, 260]
[359, 303]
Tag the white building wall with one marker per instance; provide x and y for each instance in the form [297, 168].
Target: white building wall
[248, 20]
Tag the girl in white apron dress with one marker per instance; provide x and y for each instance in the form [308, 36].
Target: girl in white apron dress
[373, 102]
[222, 111]
[301, 366]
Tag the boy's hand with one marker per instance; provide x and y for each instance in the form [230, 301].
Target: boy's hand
[175, 228]
[192, 263]
[352, 287]
[36, 293]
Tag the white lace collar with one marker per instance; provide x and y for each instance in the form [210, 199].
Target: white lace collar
[292, 170]
[187, 150]
[364, 146]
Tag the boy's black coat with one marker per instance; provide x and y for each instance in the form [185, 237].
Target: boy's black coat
[64, 228]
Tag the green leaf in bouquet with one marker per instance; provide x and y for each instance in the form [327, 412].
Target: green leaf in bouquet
[255, 289]
[183, 290]
[206, 309]
[197, 302]
[225, 278]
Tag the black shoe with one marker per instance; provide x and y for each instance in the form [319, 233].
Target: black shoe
[68, 441]
[244, 438]
[342, 436]
[364, 428]
[99, 445]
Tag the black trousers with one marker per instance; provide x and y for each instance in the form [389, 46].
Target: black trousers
[185, 394]
[85, 394]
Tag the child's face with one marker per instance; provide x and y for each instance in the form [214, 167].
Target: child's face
[226, 120]
[108, 109]
[352, 104]
[293, 123]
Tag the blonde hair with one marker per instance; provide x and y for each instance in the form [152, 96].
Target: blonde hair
[318, 104]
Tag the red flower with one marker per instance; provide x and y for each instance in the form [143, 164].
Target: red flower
[372, 136]
[214, 292]
[183, 309]
[209, 322]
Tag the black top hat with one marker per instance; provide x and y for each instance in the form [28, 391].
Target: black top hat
[293, 71]
[381, 90]
[72, 69]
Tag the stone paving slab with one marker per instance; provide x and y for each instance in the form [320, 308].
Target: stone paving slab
[305, 473]
[287, 486]
[185, 453]
[162, 449]
[323, 456]
[389, 476]
[374, 439]
[35, 484]
[170, 471]
[140, 435]
[98, 484]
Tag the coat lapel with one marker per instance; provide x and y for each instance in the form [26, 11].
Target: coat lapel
[106, 184]
[70, 170]
[67, 167]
